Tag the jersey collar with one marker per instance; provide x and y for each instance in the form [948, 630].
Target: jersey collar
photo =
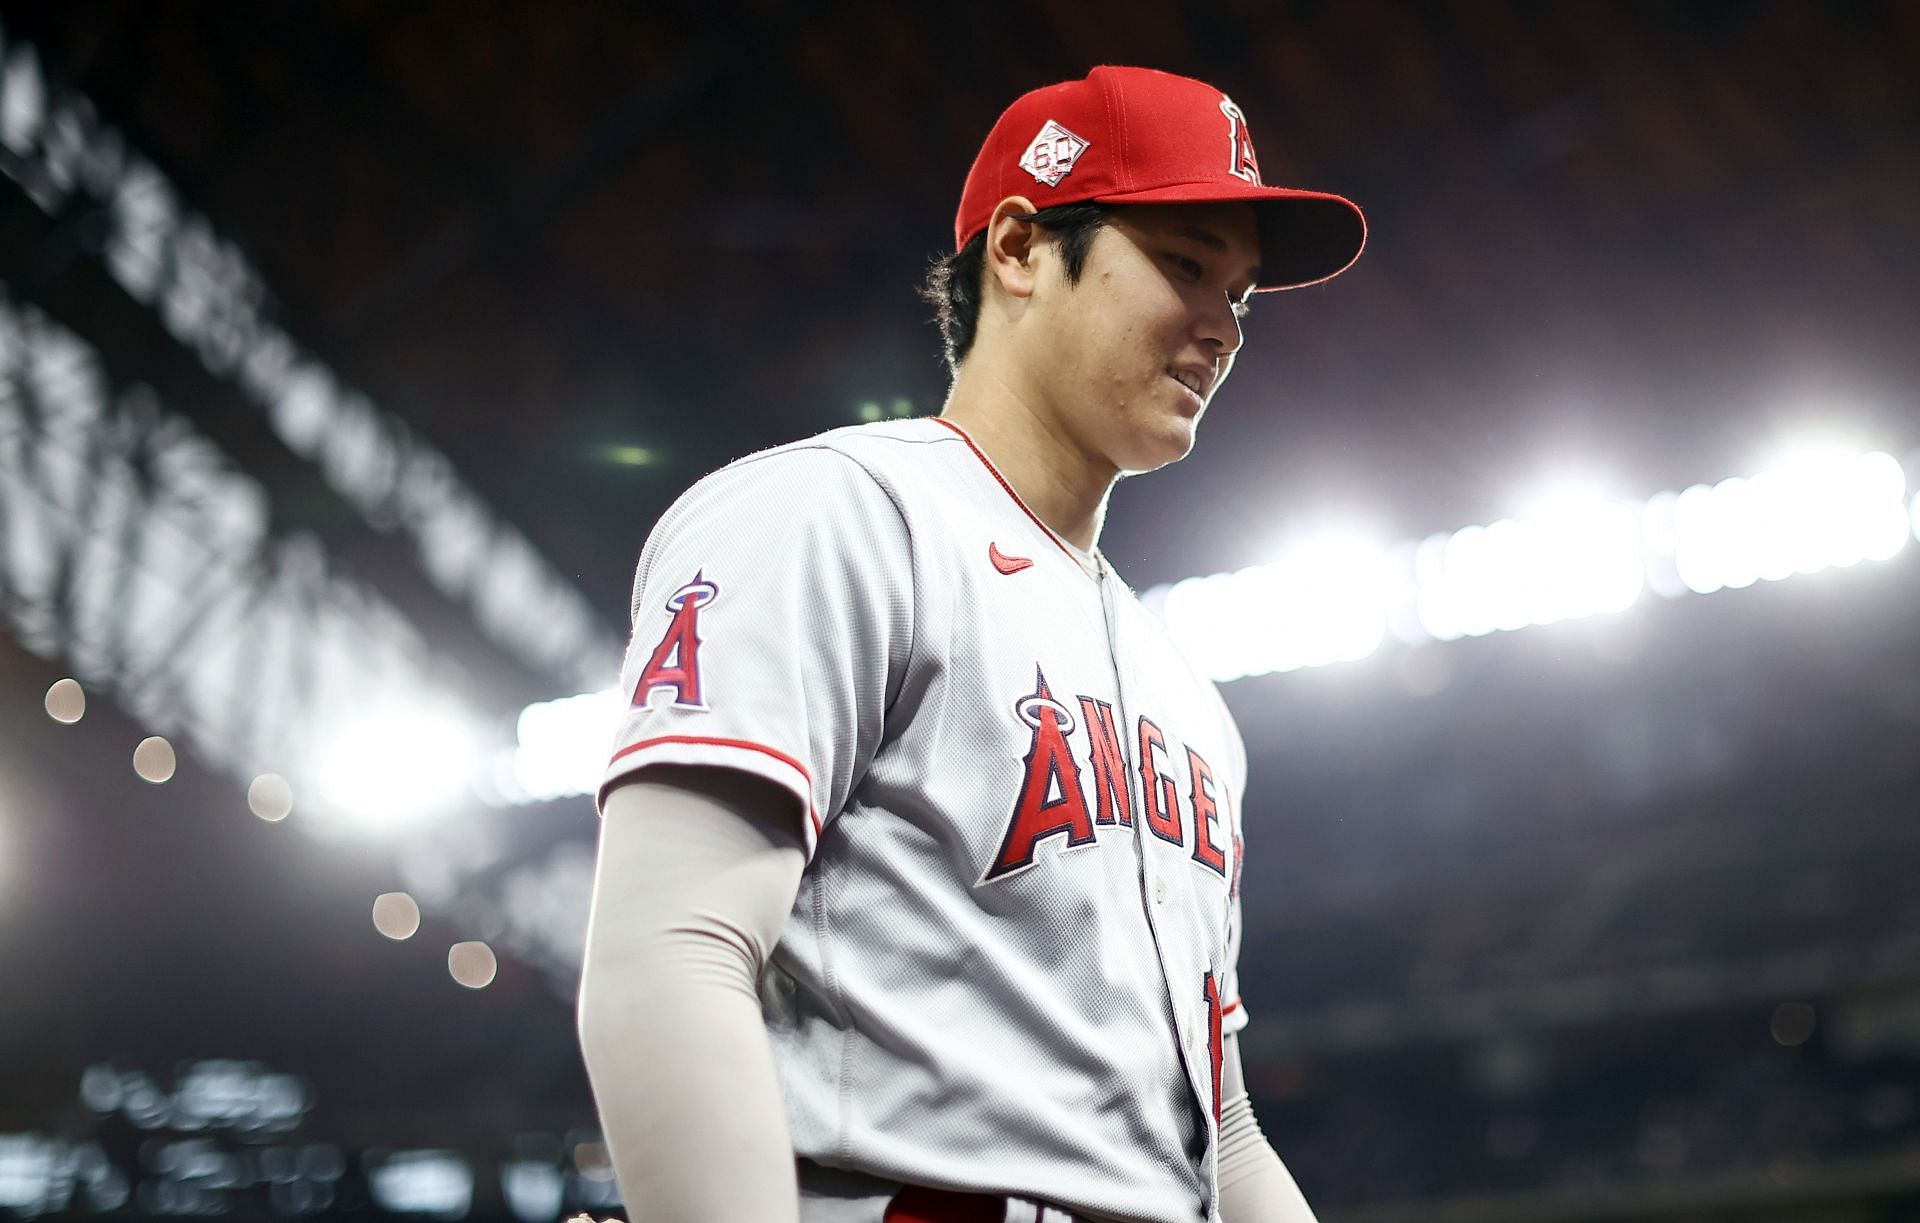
[1099, 561]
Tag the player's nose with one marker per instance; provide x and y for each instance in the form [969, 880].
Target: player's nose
[1218, 327]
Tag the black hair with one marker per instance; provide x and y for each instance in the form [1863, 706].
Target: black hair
[953, 282]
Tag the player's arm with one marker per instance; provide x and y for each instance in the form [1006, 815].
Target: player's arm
[698, 868]
[1255, 1187]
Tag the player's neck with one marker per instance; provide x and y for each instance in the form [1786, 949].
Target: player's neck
[1057, 481]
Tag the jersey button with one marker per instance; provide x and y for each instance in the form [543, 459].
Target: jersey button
[1160, 891]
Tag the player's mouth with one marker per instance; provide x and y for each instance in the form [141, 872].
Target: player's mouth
[1193, 383]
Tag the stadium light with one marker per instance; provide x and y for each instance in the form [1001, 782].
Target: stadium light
[561, 746]
[534, 1190]
[400, 763]
[1820, 512]
[1325, 600]
[438, 1183]
[1570, 562]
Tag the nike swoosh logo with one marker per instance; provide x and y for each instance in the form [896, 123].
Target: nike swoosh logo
[1005, 563]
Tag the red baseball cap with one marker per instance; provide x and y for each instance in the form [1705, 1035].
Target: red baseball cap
[1138, 136]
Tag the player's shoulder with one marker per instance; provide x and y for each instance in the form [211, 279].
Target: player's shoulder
[881, 447]
[850, 474]
[892, 455]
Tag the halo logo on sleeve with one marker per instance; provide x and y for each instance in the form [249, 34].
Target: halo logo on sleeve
[675, 662]
[1051, 156]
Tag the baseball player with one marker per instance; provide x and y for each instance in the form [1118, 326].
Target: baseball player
[918, 887]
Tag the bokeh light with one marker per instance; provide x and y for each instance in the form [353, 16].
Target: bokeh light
[629, 456]
[154, 760]
[562, 745]
[1818, 512]
[436, 1184]
[593, 1161]
[400, 763]
[1792, 1023]
[534, 1189]
[396, 915]
[66, 701]
[270, 797]
[472, 964]
[1570, 562]
[1324, 600]
[1572, 558]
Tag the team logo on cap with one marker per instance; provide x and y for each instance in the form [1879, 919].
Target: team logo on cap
[1240, 160]
[1051, 156]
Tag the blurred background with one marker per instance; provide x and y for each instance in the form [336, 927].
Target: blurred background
[1558, 562]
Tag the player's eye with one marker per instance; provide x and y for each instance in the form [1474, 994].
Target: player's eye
[1189, 267]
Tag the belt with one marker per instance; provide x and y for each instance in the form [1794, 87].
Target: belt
[919, 1204]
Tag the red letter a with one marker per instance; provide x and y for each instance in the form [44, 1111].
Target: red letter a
[1051, 769]
[675, 662]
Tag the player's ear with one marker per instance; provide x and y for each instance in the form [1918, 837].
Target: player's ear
[1011, 246]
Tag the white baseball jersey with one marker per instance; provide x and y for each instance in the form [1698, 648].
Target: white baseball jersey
[1012, 957]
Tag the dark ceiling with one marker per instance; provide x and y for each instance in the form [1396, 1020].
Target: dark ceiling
[1646, 243]
[1644, 239]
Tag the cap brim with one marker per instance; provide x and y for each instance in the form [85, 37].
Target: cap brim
[1305, 236]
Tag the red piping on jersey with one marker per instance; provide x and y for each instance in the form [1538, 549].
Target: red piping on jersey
[995, 473]
[1231, 1007]
[706, 741]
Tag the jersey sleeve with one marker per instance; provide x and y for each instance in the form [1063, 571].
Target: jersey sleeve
[772, 616]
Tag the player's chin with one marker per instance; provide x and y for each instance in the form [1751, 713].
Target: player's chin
[1168, 440]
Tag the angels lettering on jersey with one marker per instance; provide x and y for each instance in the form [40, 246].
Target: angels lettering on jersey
[1054, 796]
[1056, 800]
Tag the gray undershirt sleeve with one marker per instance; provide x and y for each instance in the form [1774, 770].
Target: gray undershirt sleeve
[696, 873]
[1255, 1187]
